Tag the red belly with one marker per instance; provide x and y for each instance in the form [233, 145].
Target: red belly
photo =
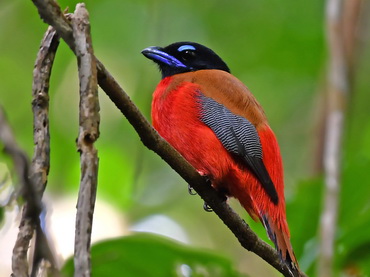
[176, 118]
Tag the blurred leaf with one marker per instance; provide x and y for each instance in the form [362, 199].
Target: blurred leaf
[117, 188]
[153, 256]
[353, 245]
[356, 261]
[1, 215]
[353, 235]
[303, 212]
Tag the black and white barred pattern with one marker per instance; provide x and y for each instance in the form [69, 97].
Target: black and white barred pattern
[236, 133]
[238, 136]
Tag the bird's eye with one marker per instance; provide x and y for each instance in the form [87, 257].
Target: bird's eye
[188, 55]
[187, 52]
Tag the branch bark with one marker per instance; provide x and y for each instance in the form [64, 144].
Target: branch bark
[43, 260]
[342, 19]
[40, 108]
[33, 178]
[52, 15]
[21, 164]
[89, 133]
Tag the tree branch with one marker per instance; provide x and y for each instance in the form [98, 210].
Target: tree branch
[43, 260]
[247, 238]
[20, 161]
[89, 133]
[33, 180]
[40, 108]
[351, 23]
[340, 29]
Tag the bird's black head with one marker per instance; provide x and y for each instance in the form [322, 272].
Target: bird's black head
[181, 57]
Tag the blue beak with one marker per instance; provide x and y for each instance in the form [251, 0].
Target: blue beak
[157, 55]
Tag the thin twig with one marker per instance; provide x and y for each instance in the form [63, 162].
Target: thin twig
[247, 238]
[41, 158]
[89, 133]
[20, 161]
[40, 107]
[43, 259]
[33, 179]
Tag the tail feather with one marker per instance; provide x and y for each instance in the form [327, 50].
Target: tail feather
[282, 244]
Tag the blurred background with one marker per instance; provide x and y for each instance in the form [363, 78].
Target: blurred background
[278, 50]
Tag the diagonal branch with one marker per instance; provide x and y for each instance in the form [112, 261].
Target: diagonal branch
[248, 239]
[32, 209]
[88, 134]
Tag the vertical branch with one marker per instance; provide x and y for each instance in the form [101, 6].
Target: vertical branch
[353, 27]
[351, 20]
[34, 179]
[42, 258]
[88, 134]
[337, 98]
[343, 19]
[40, 107]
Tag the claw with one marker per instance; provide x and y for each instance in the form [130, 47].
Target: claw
[191, 190]
[202, 173]
[207, 208]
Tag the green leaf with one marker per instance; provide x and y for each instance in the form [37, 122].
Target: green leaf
[303, 212]
[353, 234]
[149, 255]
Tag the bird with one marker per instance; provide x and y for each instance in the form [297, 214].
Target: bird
[214, 121]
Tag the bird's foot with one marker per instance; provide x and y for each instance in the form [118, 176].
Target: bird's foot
[205, 175]
[191, 190]
[207, 208]
[202, 172]
[223, 195]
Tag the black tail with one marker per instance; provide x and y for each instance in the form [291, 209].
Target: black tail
[282, 245]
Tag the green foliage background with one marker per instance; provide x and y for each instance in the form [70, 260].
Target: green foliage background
[277, 49]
